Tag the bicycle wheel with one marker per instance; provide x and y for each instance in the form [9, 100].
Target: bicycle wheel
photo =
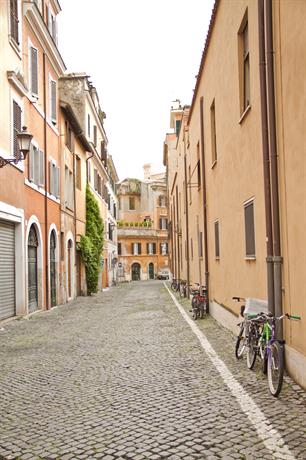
[251, 348]
[240, 342]
[195, 308]
[275, 368]
[202, 309]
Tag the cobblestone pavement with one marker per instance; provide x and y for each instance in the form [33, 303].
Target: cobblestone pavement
[122, 376]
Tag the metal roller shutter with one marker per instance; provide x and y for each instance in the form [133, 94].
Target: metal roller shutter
[7, 269]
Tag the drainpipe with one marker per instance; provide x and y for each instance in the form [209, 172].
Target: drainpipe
[46, 183]
[187, 215]
[204, 199]
[266, 157]
[74, 223]
[277, 259]
[178, 236]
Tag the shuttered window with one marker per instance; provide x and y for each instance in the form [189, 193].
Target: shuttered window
[34, 70]
[163, 223]
[78, 172]
[95, 135]
[217, 240]
[53, 100]
[37, 166]
[163, 249]
[95, 180]
[16, 128]
[136, 249]
[151, 248]
[54, 179]
[249, 229]
[119, 249]
[14, 21]
[69, 201]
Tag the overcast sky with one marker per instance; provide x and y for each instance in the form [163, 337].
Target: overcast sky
[141, 55]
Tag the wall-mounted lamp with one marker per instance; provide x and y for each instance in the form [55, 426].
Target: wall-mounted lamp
[24, 142]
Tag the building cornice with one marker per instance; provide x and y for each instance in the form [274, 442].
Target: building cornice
[40, 29]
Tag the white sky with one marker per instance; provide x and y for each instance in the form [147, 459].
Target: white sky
[141, 55]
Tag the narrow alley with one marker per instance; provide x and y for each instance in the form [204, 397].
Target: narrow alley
[123, 375]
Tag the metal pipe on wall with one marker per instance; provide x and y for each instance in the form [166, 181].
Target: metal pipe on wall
[46, 182]
[187, 213]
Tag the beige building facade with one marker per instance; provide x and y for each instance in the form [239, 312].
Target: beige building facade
[236, 185]
[142, 229]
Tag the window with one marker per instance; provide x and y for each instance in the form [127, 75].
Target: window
[163, 249]
[217, 241]
[68, 188]
[33, 77]
[89, 172]
[177, 127]
[119, 249]
[95, 135]
[151, 248]
[103, 151]
[162, 201]
[163, 223]
[36, 166]
[68, 136]
[244, 64]
[52, 26]
[16, 128]
[115, 211]
[95, 179]
[78, 173]
[99, 190]
[213, 133]
[132, 203]
[249, 229]
[53, 100]
[88, 125]
[110, 231]
[54, 179]
[136, 249]
[200, 236]
[14, 20]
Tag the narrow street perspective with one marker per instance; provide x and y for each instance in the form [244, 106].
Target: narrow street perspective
[121, 375]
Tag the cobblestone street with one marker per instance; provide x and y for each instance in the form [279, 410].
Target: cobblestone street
[121, 375]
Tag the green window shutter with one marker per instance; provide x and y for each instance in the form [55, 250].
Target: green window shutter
[41, 166]
[34, 70]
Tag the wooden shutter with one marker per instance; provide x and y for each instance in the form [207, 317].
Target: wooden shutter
[34, 70]
[57, 182]
[95, 135]
[41, 179]
[16, 128]
[160, 223]
[53, 100]
[132, 251]
[139, 248]
[95, 179]
[51, 178]
[217, 242]
[154, 248]
[31, 164]
[14, 20]
[148, 248]
[249, 229]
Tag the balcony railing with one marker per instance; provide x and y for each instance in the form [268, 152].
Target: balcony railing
[144, 224]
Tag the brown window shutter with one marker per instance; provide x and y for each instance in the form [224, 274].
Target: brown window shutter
[34, 70]
[249, 229]
[95, 135]
[31, 164]
[16, 128]
[14, 20]
[154, 248]
[139, 248]
[148, 252]
[41, 168]
[217, 241]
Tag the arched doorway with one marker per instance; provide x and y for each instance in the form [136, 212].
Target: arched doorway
[69, 267]
[32, 270]
[136, 271]
[53, 268]
[151, 271]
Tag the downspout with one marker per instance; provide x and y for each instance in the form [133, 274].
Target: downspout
[74, 223]
[277, 259]
[46, 182]
[187, 215]
[204, 199]
[266, 157]
[178, 236]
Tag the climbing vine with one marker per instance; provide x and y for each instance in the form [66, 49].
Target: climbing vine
[91, 244]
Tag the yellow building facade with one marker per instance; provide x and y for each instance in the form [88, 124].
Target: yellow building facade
[236, 167]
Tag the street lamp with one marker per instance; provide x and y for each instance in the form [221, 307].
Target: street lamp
[24, 142]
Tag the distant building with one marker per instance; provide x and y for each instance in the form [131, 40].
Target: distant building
[142, 228]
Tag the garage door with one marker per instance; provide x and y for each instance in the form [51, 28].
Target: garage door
[7, 269]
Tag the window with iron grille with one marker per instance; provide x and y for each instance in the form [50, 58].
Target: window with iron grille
[14, 20]
[33, 70]
[249, 229]
[217, 240]
[16, 128]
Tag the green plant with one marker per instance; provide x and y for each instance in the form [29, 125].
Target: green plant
[120, 223]
[91, 244]
[136, 224]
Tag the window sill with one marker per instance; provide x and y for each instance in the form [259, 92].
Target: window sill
[250, 258]
[214, 164]
[244, 114]
[15, 46]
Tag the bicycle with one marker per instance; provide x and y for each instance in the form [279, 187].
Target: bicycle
[271, 350]
[175, 284]
[198, 301]
[183, 288]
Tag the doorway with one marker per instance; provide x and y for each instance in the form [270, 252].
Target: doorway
[151, 271]
[53, 268]
[136, 271]
[32, 270]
